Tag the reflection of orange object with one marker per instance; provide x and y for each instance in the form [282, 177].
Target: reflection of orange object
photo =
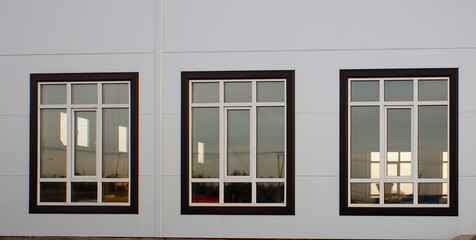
[203, 199]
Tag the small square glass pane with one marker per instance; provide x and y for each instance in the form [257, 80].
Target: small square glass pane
[53, 94]
[270, 91]
[398, 193]
[84, 192]
[238, 92]
[205, 193]
[270, 192]
[398, 90]
[433, 193]
[205, 92]
[432, 90]
[115, 192]
[237, 192]
[52, 192]
[365, 193]
[365, 91]
[84, 94]
[115, 93]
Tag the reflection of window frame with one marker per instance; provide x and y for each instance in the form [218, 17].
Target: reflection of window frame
[188, 207]
[130, 183]
[348, 208]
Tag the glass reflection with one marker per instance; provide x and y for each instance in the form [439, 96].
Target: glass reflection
[205, 142]
[270, 91]
[238, 92]
[84, 93]
[398, 193]
[84, 192]
[365, 91]
[115, 192]
[433, 90]
[365, 193]
[53, 94]
[398, 90]
[433, 193]
[205, 92]
[237, 192]
[238, 142]
[52, 147]
[269, 192]
[115, 93]
[205, 193]
[52, 192]
[115, 163]
[432, 142]
[399, 157]
[270, 142]
[365, 142]
[85, 143]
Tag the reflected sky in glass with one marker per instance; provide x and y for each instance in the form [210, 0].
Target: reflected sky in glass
[270, 91]
[398, 90]
[84, 93]
[238, 142]
[365, 141]
[52, 149]
[205, 92]
[205, 142]
[238, 92]
[399, 126]
[365, 91]
[270, 142]
[432, 141]
[433, 90]
[115, 163]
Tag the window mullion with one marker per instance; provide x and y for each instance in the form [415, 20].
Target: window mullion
[415, 142]
[99, 146]
[383, 142]
[69, 149]
[222, 146]
[253, 140]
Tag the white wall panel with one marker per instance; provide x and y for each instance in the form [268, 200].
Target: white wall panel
[467, 133]
[147, 149]
[171, 155]
[14, 145]
[63, 27]
[250, 25]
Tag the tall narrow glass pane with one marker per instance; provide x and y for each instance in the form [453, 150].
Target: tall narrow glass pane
[364, 193]
[238, 92]
[270, 152]
[52, 192]
[205, 192]
[270, 91]
[365, 91]
[85, 143]
[433, 193]
[433, 90]
[84, 93]
[238, 142]
[399, 140]
[432, 141]
[84, 192]
[115, 160]
[398, 193]
[53, 141]
[205, 92]
[53, 94]
[237, 192]
[272, 192]
[205, 142]
[365, 142]
[115, 93]
[115, 192]
[398, 90]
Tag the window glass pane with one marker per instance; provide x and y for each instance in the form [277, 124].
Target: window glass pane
[432, 142]
[433, 193]
[115, 192]
[365, 91]
[270, 142]
[364, 193]
[365, 142]
[53, 141]
[115, 93]
[432, 90]
[205, 142]
[205, 193]
[269, 192]
[205, 92]
[115, 142]
[238, 142]
[399, 156]
[238, 92]
[85, 143]
[84, 93]
[398, 90]
[237, 192]
[53, 94]
[398, 193]
[52, 192]
[270, 91]
[84, 192]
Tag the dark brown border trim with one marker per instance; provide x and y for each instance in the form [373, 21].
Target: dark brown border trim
[452, 73]
[133, 78]
[272, 74]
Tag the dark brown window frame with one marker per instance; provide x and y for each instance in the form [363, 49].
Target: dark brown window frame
[133, 78]
[246, 210]
[452, 210]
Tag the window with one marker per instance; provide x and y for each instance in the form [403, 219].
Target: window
[238, 142]
[84, 143]
[398, 142]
